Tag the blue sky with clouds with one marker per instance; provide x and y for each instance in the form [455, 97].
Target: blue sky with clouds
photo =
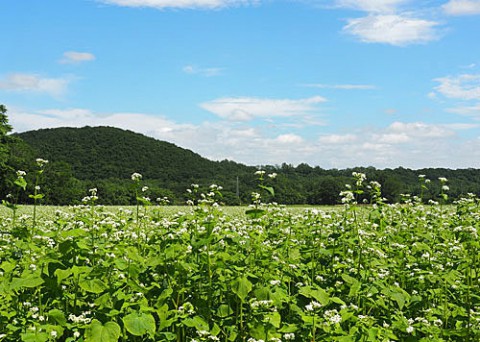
[333, 83]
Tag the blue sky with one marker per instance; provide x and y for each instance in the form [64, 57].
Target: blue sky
[333, 83]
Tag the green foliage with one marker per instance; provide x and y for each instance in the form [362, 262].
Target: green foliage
[402, 272]
[97, 332]
[139, 324]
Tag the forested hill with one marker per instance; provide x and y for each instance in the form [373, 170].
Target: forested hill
[105, 157]
[105, 152]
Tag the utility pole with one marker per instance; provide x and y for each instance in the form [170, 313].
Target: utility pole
[238, 192]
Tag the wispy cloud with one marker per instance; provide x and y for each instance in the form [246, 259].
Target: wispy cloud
[392, 29]
[462, 87]
[387, 22]
[248, 108]
[20, 82]
[75, 57]
[187, 4]
[376, 6]
[462, 7]
[207, 72]
[341, 86]
[470, 111]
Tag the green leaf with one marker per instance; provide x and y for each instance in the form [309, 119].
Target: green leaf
[58, 316]
[354, 289]
[133, 254]
[399, 298]
[36, 336]
[167, 336]
[78, 270]
[269, 189]
[242, 287]
[96, 332]
[348, 279]
[274, 319]
[196, 322]
[165, 322]
[121, 264]
[254, 213]
[93, 285]
[62, 274]
[9, 205]
[215, 330]
[28, 281]
[7, 267]
[224, 310]
[73, 233]
[337, 300]
[37, 196]
[139, 324]
[21, 182]
[318, 294]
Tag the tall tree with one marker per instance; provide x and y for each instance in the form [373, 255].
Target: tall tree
[5, 128]
[5, 139]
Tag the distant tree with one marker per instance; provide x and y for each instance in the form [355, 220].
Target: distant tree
[5, 128]
[304, 169]
[326, 191]
[61, 186]
[5, 141]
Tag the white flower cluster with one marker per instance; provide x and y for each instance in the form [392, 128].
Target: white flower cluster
[41, 162]
[83, 319]
[136, 177]
[261, 303]
[313, 306]
[332, 317]
[359, 178]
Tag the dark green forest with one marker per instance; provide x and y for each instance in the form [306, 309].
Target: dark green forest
[105, 158]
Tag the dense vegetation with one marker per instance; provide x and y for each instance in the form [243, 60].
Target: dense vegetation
[105, 157]
[400, 272]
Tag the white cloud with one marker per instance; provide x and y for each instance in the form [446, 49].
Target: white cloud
[407, 144]
[335, 139]
[341, 86]
[289, 138]
[20, 82]
[462, 7]
[207, 72]
[75, 57]
[463, 87]
[419, 130]
[471, 111]
[377, 6]
[160, 4]
[392, 29]
[248, 108]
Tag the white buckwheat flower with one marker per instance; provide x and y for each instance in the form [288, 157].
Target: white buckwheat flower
[136, 176]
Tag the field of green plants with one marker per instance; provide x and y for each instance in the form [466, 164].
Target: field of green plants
[379, 272]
